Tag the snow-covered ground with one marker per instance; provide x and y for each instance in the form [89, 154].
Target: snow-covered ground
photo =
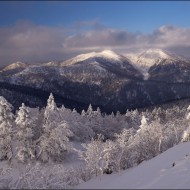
[157, 173]
[34, 175]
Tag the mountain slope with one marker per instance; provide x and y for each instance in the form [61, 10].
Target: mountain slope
[106, 79]
[95, 78]
[157, 173]
[157, 64]
[16, 65]
[104, 61]
[151, 57]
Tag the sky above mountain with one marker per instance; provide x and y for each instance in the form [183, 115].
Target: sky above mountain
[57, 30]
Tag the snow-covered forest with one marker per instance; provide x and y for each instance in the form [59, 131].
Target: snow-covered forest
[56, 147]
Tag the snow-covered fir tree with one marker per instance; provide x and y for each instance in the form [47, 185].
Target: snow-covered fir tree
[80, 126]
[144, 123]
[25, 123]
[54, 141]
[96, 122]
[6, 129]
[50, 111]
[133, 118]
[89, 111]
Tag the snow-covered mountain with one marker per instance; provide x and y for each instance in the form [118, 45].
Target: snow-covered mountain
[15, 65]
[157, 173]
[150, 59]
[106, 54]
[50, 63]
[105, 79]
[95, 78]
[105, 61]
[154, 56]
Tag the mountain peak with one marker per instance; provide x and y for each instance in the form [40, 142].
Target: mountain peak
[15, 65]
[155, 54]
[150, 57]
[107, 54]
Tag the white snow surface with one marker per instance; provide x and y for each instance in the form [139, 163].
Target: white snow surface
[51, 63]
[154, 56]
[151, 57]
[157, 173]
[107, 54]
[15, 65]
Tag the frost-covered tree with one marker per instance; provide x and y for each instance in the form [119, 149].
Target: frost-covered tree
[80, 126]
[188, 112]
[25, 123]
[111, 126]
[93, 155]
[174, 130]
[186, 133]
[123, 140]
[51, 103]
[111, 157]
[6, 129]
[97, 122]
[55, 142]
[51, 115]
[144, 123]
[51, 110]
[150, 140]
[83, 113]
[89, 111]
[143, 142]
[133, 118]
[37, 117]
[186, 136]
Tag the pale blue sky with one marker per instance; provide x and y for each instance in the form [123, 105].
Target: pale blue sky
[135, 16]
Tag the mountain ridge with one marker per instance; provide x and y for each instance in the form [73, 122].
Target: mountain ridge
[107, 79]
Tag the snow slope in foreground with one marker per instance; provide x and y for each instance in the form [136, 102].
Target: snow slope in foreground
[157, 173]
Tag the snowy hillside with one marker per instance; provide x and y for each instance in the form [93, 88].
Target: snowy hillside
[107, 54]
[18, 64]
[153, 57]
[104, 79]
[157, 173]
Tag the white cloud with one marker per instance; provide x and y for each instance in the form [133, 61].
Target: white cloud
[28, 42]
